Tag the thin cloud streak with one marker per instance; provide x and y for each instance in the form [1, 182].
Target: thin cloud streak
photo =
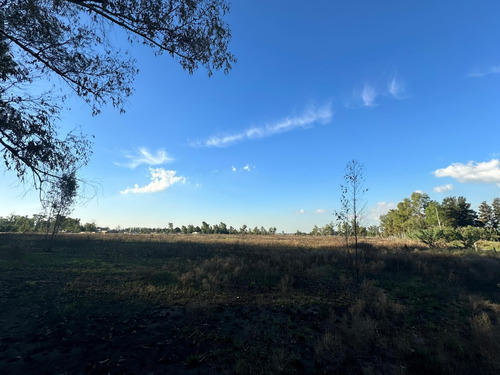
[481, 73]
[143, 156]
[314, 115]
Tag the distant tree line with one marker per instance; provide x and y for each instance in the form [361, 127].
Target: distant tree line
[205, 228]
[40, 223]
[343, 229]
[451, 221]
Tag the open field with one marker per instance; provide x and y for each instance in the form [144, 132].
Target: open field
[132, 304]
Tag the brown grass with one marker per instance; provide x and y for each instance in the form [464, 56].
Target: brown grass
[245, 304]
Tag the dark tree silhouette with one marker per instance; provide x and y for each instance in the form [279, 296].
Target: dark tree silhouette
[71, 40]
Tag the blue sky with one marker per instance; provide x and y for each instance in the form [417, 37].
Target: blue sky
[411, 89]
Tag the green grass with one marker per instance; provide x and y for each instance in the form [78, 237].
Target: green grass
[244, 304]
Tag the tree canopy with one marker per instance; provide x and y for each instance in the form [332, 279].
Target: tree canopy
[419, 213]
[70, 39]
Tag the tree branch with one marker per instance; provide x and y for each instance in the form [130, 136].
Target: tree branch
[113, 17]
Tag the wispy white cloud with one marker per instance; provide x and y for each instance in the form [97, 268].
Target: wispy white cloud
[443, 188]
[368, 95]
[472, 172]
[307, 119]
[320, 211]
[161, 179]
[301, 212]
[485, 72]
[143, 156]
[396, 88]
[371, 94]
[233, 168]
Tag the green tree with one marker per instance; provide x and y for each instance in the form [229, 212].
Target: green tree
[69, 40]
[457, 212]
[412, 214]
[496, 211]
[23, 224]
[328, 230]
[71, 225]
[205, 228]
[486, 215]
[58, 203]
[434, 215]
[419, 203]
[373, 231]
[90, 227]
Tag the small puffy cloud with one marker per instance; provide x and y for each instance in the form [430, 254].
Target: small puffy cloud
[443, 188]
[144, 156]
[476, 73]
[301, 212]
[486, 172]
[383, 207]
[320, 211]
[374, 212]
[161, 179]
[307, 119]
[368, 95]
[246, 168]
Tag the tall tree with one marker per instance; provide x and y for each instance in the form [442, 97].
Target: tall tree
[419, 202]
[58, 203]
[352, 202]
[458, 212]
[434, 215]
[73, 40]
[496, 211]
[486, 215]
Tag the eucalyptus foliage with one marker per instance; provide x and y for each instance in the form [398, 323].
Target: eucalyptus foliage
[72, 44]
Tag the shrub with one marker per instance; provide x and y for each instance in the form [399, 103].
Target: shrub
[430, 236]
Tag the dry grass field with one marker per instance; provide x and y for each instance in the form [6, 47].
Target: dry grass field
[198, 304]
